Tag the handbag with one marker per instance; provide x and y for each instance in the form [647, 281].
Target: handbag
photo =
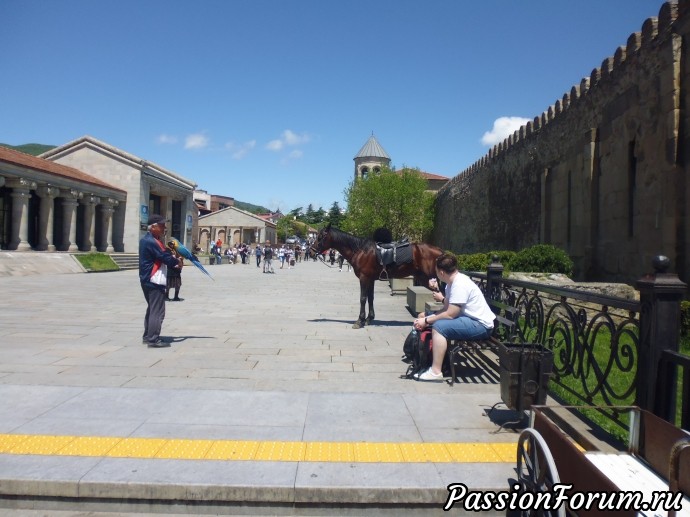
[160, 274]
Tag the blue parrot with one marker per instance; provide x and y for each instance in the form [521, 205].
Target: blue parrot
[177, 246]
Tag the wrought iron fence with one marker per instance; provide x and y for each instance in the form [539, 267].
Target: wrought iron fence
[674, 387]
[595, 339]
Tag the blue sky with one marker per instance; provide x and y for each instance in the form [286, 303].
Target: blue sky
[268, 101]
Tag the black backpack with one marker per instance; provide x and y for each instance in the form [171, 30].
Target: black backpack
[417, 352]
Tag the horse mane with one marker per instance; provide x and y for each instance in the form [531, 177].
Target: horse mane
[351, 241]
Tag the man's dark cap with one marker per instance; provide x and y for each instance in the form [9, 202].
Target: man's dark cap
[157, 219]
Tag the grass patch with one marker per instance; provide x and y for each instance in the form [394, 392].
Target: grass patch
[97, 262]
[569, 388]
[576, 383]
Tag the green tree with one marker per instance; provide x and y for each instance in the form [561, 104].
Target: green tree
[335, 215]
[319, 216]
[310, 214]
[285, 227]
[398, 201]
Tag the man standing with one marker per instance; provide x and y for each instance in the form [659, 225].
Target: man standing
[257, 252]
[268, 258]
[219, 249]
[154, 259]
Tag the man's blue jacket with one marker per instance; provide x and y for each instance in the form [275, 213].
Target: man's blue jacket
[150, 252]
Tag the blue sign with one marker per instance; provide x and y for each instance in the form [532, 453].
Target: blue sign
[144, 214]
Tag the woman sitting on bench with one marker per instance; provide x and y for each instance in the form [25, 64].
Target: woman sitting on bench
[465, 315]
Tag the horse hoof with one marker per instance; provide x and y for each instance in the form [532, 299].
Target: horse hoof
[357, 325]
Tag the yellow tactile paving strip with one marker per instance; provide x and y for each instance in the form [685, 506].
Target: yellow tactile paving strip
[247, 450]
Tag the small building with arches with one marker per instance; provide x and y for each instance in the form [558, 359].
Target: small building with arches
[234, 226]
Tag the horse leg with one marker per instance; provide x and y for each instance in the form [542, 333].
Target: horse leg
[370, 297]
[362, 305]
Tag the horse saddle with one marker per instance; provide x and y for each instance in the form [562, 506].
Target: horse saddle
[391, 253]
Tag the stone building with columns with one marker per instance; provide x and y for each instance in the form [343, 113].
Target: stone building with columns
[149, 189]
[46, 206]
[234, 226]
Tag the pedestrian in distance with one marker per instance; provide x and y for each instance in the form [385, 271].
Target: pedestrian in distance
[257, 252]
[174, 281]
[268, 258]
[281, 256]
[219, 249]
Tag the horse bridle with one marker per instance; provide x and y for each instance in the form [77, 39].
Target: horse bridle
[315, 248]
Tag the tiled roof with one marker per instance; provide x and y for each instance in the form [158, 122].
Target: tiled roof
[372, 149]
[431, 176]
[20, 159]
[426, 175]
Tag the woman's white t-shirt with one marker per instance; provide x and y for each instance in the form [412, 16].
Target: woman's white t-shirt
[464, 292]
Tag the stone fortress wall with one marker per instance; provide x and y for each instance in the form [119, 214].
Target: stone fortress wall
[601, 173]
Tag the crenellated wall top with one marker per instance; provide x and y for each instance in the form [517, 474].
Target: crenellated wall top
[637, 41]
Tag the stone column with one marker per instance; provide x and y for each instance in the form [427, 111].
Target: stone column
[69, 203]
[90, 201]
[545, 211]
[108, 209]
[591, 161]
[21, 191]
[47, 194]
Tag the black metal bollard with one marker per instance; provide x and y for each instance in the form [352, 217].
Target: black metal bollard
[660, 296]
[494, 274]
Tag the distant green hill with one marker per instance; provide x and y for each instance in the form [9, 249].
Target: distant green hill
[248, 207]
[32, 149]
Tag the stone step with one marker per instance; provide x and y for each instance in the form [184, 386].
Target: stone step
[126, 260]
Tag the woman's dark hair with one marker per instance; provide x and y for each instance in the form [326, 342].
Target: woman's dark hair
[447, 263]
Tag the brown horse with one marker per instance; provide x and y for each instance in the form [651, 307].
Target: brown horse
[361, 254]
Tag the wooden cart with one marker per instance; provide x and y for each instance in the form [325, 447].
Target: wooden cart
[657, 460]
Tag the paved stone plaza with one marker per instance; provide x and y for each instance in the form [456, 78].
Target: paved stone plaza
[254, 357]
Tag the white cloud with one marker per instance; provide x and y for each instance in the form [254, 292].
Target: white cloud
[196, 141]
[503, 127]
[239, 151]
[295, 154]
[274, 145]
[291, 138]
[287, 138]
[166, 139]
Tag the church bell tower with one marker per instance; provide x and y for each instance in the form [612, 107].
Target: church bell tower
[370, 158]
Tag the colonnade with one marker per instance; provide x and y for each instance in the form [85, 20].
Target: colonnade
[61, 205]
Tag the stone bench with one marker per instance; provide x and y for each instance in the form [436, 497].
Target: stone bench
[417, 297]
[433, 306]
[400, 285]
